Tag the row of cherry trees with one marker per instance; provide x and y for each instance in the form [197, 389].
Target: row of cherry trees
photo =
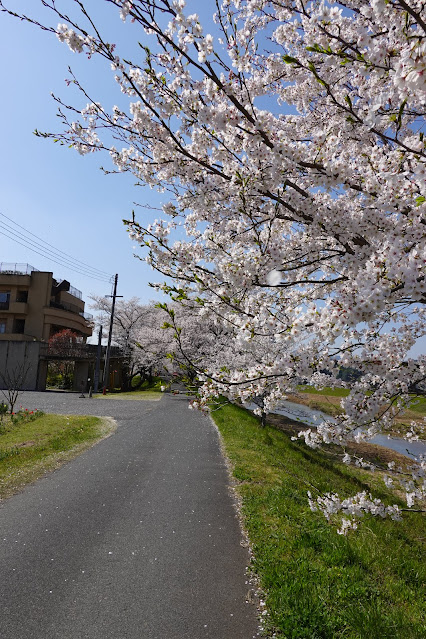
[167, 339]
[288, 143]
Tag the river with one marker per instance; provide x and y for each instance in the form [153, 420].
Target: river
[311, 417]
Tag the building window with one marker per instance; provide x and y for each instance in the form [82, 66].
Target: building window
[2, 326]
[22, 296]
[18, 325]
[4, 300]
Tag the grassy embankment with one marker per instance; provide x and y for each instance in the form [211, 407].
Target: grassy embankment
[32, 446]
[319, 584]
[327, 400]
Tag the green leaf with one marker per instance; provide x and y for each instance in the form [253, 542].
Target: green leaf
[401, 110]
[420, 200]
[318, 79]
[288, 59]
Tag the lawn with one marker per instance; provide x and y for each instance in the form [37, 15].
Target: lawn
[329, 392]
[136, 394]
[148, 390]
[319, 584]
[31, 447]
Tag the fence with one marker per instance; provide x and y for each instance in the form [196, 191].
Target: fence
[76, 351]
[15, 267]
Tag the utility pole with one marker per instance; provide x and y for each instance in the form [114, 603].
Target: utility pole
[108, 353]
[98, 362]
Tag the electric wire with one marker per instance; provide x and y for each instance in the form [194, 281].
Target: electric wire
[55, 250]
[30, 244]
[49, 257]
[60, 254]
[55, 255]
[102, 279]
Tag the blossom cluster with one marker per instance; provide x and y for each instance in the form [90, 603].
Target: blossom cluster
[354, 507]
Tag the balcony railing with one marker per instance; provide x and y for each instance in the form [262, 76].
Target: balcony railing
[72, 290]
[10, 268]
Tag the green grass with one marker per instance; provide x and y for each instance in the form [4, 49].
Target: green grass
[319, 584]
[326, 407]
[330, 392]
[29, 449]
[419, 406]
[149, 390]
[139, 394]
[153, 385]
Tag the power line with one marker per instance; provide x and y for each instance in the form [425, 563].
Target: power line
[56, 256]
[55, 250]
[53, 260]
[102, 279]
[46, 252]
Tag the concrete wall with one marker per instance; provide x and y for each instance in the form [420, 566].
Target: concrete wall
[14, 356]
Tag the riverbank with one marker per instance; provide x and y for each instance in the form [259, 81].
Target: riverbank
[370, 452]
[328, 401]
[318, 583]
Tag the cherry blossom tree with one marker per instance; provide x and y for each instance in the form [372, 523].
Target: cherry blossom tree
[195, 343]
[289, 144]
[135, 326]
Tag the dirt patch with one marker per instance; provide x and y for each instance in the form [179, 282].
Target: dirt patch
[287, 425]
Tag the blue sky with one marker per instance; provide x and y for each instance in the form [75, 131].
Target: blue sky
[51, 190]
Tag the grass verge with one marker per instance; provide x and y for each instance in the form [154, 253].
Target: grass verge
[319, 584]
[148, 391]
[30, 449]
[138, 395]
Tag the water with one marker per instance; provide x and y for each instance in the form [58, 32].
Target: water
[304, 414]
[402, 446]
[308, 416]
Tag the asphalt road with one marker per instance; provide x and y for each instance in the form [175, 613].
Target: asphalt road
[137, 538]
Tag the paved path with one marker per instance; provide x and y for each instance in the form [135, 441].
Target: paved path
[136, 538]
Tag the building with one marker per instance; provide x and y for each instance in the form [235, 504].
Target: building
[33, 307]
